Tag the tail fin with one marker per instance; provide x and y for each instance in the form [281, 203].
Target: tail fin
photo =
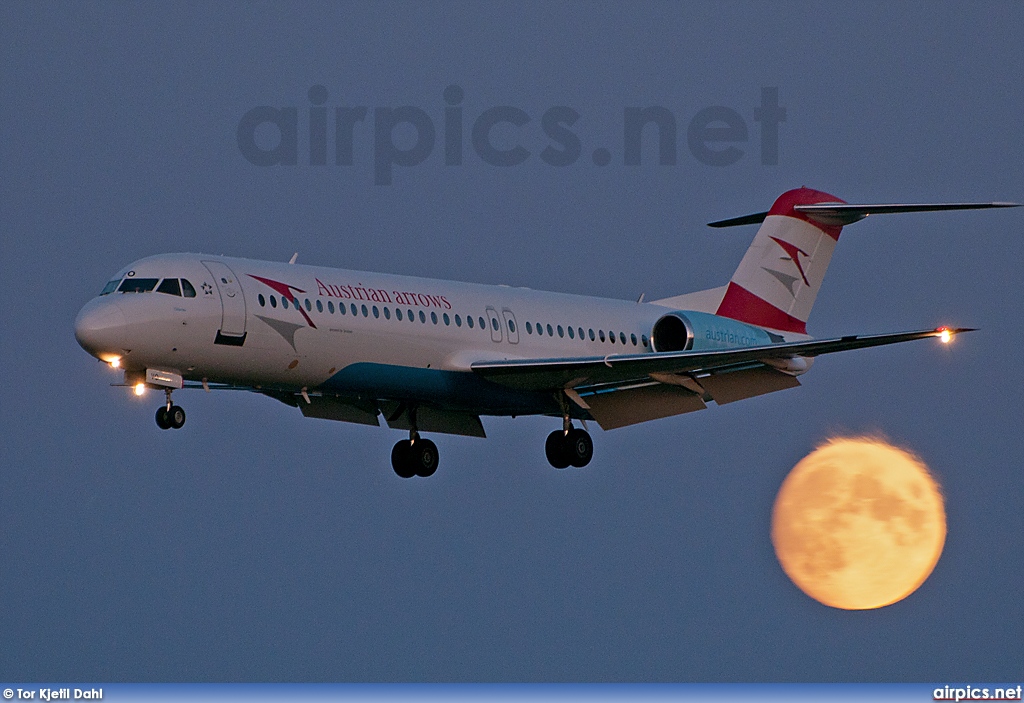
[780, 275]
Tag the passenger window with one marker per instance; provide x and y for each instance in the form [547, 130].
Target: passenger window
[592, 334]
[622, 337]
[366, 313]
[600, 334]
[551, 332]
[110, 287]
[529, 328]
[355, 311]
[330, 306]
[511, 327]
[138, 285]
[273, 301]
[309, 307]
[611, 337]
[447, 320]
[412, 318]
[632, 338]
[561, 332]
[494, 324]
[170, 287]
[469, 321]
[387, 314]
[580, 330]
[295, 302]
[186, 289]
[482, 325]
[376, 312]
[284, 302]
[423, 318]
[262, 301]
[572, 335]
[398, 314]
[458, 321]
[540, 329]
[643, 338]
[433, 317]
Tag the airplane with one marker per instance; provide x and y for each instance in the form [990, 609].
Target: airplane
[434, 356]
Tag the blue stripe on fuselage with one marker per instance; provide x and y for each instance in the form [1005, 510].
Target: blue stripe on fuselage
[451, 389]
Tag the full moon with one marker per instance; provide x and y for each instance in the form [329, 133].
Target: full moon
[858, 524]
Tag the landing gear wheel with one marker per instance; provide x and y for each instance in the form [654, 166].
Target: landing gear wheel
[162, 420]
[423, 457]
[556, 450]
[176, 417]
[578, 448]
[400, 459]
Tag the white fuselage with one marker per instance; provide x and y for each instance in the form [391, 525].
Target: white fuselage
[394, 336]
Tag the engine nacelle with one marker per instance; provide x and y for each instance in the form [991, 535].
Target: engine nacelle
[684, 330]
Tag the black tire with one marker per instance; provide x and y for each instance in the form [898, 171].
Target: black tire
[555, 449]
[579, 448]
[162, 420]
[176, 417]
[400, 460]
[424, 457]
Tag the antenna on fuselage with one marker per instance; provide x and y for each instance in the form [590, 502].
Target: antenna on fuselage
[294, 257]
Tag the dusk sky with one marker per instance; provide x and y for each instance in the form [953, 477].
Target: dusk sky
[259, 545]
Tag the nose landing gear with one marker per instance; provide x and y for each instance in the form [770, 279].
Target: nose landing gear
[170, 416]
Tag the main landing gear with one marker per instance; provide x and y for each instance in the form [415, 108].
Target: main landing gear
[569, 446]
[414, 457]
[170, 416]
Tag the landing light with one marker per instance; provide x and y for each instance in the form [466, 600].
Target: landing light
[140, 388]
[115, 363]
[945, 335]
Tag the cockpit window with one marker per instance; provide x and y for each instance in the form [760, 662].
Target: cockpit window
[138, 285]
[187, 290]
[110, 287]
[169, 286]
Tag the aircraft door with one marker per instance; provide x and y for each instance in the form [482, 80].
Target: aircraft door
[232, 321]
[511, 328]
[495, 322]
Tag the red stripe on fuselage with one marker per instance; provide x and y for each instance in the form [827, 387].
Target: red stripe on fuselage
[740, 304]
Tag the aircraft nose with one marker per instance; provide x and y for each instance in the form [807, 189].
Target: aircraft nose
[100, 329]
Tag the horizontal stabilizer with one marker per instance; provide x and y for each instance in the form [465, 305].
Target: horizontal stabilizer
[845, 214]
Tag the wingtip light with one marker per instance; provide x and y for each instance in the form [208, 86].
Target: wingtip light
[945, 335]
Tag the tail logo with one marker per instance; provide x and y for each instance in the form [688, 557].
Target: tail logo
[793, 254]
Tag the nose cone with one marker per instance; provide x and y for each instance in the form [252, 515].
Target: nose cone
[100, 329]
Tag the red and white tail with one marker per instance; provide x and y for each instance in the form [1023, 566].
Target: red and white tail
[780, 275]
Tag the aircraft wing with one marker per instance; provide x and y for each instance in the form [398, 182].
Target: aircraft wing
[619, 370]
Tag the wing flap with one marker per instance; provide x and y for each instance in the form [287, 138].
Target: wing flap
[738, 385]
[635, 405]
[330, 408]
[431, 419]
